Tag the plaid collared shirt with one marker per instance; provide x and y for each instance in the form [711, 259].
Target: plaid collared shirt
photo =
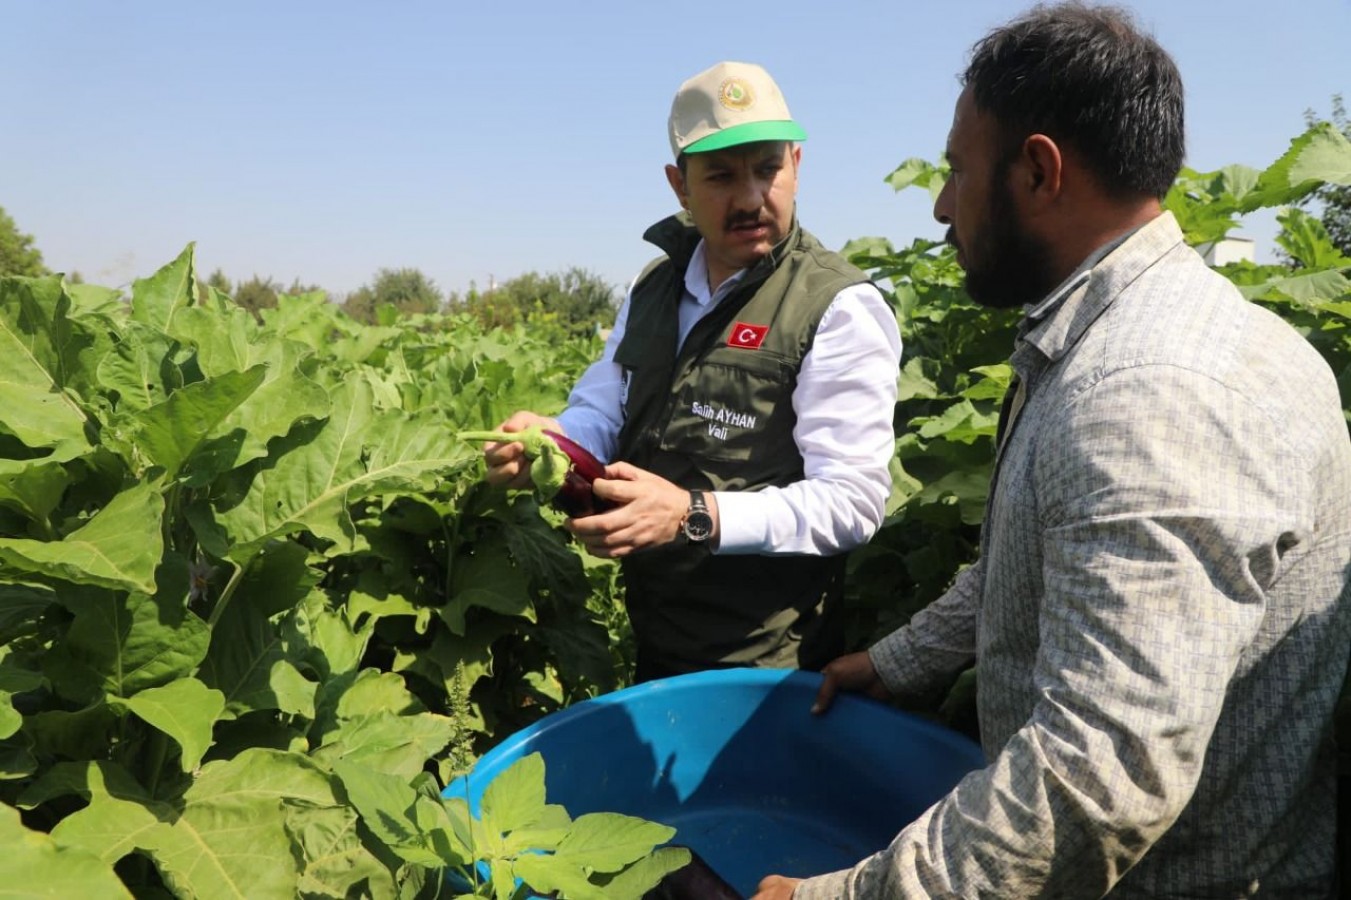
[1160, 614]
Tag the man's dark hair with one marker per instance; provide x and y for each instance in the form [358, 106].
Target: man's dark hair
[1088, 78]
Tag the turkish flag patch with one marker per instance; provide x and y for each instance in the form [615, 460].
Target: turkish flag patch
[747, 336]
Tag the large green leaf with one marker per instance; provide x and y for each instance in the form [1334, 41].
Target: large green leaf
[1302, 287]
[16, 758]
[515, 798]
[118, 812]
[308, 318]
[1321, 154]
[10, 719]
[35, 487]
[188, 424]
[919, 173]
[397, 744]
[226, 337]
[390, 808]
[36, 865]
[1306, 239]
[230, 341]
[545, 553]
[230, 839]
[373, 692]
[285, 398]
[959, 422]
[635, 881]
[607, 842]
[39, 356]
[489, 579]
[20, 607]
[137, 371]
[336, 862]
[15, 678]
[551, 876]
[118, 548]
[185, 710]
[70, 734]
[322, 471]
[470, 654]
[91, 299]
[122, 644]
[156, 299]
[323, 638]
[248, 661]
[1324, 156]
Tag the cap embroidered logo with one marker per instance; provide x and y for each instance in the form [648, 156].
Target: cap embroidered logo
[736, 94]
[747, 336]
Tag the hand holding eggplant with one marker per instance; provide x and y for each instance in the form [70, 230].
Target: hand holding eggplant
[531, 450]
[647, 512]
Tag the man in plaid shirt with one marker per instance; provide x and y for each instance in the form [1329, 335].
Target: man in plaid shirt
[1159, 616]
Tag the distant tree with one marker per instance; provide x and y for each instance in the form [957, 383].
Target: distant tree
[298, 287]
[218, 281]
[18, 256]
[257, 294]
[576, 301]
[1335, 199]
[409, 291]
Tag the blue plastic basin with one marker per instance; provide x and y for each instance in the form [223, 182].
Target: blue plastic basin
[736, 763]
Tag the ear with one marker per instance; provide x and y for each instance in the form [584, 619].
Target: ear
[677, 183]
[1042, 170]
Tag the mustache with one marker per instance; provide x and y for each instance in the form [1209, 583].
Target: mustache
[951, 237]
[736, 220]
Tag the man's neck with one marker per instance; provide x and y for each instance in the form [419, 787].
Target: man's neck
[1085, 234]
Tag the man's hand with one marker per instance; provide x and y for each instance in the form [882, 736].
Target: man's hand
[648, 512]
[507, 465]
[854, 672]
[776, 887]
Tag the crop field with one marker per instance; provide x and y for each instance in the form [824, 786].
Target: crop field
[257, 606]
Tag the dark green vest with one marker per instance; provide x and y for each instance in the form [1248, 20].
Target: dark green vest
[719, 416]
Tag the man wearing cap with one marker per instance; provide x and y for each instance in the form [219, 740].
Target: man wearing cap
[744, 401]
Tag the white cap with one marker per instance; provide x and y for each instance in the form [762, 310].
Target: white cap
[731, 103]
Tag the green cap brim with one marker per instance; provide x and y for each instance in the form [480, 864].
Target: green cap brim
[749, 133]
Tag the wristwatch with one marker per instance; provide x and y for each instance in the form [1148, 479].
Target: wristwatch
[698, 522]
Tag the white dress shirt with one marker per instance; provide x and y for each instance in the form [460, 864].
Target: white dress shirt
[844, 400]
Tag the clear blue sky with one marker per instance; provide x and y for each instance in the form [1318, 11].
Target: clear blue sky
[325, 140]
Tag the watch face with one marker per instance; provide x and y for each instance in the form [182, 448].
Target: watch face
[698, 526]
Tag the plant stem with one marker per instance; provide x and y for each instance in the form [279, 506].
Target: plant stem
[226, 594]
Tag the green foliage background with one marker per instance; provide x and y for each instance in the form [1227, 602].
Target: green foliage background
[256, 605]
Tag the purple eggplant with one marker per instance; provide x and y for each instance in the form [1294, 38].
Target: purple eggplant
[561, 469]
[575, 497]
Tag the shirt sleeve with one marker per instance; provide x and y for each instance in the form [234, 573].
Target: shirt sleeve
[938, 642]
[1161, 518]
[594, 414]
[845, 402]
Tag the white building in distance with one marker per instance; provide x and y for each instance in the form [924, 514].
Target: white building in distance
[1229, 250]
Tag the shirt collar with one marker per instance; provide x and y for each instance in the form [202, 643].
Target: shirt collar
[1056, 323]
[696, 279]
[1077, 279]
